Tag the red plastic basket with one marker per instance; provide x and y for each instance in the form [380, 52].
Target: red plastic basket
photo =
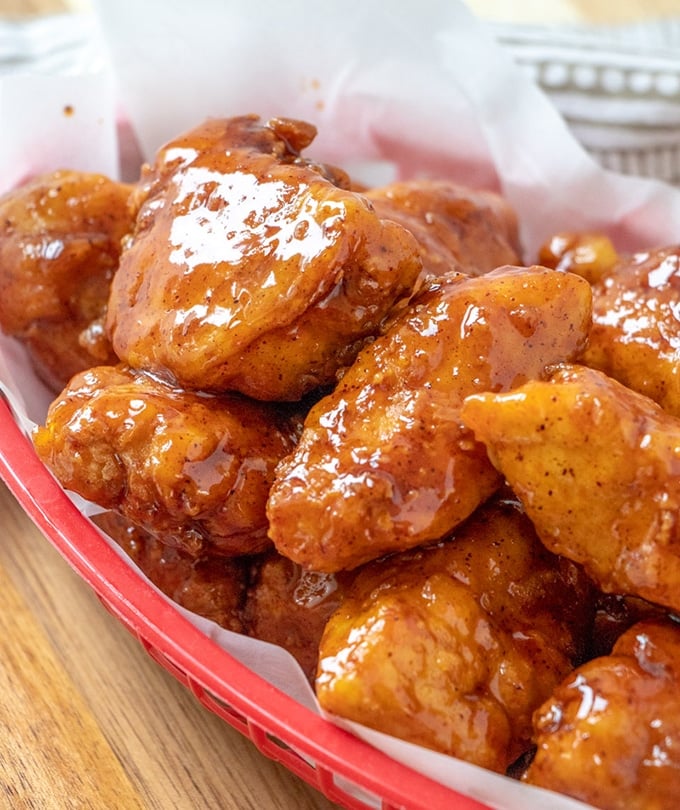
[325, 756]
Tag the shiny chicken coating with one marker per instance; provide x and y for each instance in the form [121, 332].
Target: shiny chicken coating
[194, 470]
[591, 255]
[457, 228]
[597, 467]
[289, 606]
[60, 241]
[250, 269]
[384, 462]
[610, 734]
[636, 326]
[454, 646]
[211, 585]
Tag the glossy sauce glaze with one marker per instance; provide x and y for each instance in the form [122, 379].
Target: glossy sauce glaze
[60, 241]
[384, 462]
[249, 268]
[597, 467]
[636, 326]
[209, 585]
[457, 228]
[289, 606]
[454, 646]
[591, 255]
[609, 735]
[192, 469]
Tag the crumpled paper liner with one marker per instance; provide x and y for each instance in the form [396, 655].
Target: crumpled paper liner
[396, 91]
[421, 86]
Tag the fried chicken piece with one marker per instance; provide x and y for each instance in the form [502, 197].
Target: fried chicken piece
[636, 326]
[597, 467]
[211, 585]
[384, 462]
[288, 606]
[453, 647]
[193, 470]
[60, 241]
[457, 228]
[249, 269]
[609, 734]
[591, 255]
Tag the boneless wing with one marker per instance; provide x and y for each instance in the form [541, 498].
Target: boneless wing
[289, 606]
[384, 462]
[609, 735]
[635, 336]
[193, 470]
[589, 254]
[454, 646]
[252, 269]
[60, 242]
[209, 585]
[597, 467]
[636, 326]
[457, 228]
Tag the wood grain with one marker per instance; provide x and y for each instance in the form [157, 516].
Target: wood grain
[599, 12]
[30, 8]
[88, 720]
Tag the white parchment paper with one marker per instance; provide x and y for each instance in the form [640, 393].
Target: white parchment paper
[402, 89]
[421, 85]
[58, 104]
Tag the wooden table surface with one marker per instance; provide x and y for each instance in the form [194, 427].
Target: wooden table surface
[87, 719]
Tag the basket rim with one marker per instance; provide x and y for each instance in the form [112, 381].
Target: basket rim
[161, 627]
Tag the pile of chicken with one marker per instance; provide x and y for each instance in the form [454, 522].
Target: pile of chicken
[351, 421]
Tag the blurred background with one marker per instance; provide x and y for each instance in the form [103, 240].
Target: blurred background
[525, 11]
[611, 67]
